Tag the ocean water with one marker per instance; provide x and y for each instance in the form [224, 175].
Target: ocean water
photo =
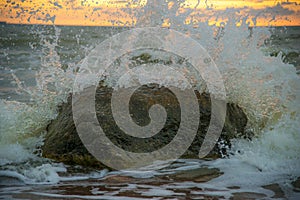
[260, 68]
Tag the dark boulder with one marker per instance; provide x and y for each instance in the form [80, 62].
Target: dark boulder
[63, 144]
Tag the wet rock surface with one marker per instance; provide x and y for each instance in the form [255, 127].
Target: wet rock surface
[198, 175]
[278, 193]
[182, 185]
[247, 195]
[296, 185]
[63, 144]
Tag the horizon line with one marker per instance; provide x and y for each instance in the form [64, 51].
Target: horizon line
[125, 26]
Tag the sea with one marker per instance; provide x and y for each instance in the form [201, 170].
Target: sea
[260, 67]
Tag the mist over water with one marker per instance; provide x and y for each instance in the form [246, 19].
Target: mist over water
[38, 65]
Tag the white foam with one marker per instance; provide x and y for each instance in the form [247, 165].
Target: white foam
[137, 174]
[92, 175]
[273, 157]
[106, 196]
[13, 153]
[22, 125]
[43, 174]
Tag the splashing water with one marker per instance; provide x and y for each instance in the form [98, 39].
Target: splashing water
[264, 86]
[23, 125]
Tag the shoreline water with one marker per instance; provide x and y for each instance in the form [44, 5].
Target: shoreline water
[26, 62]
[185, 179]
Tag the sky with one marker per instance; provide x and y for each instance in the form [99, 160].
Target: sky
[132, 12]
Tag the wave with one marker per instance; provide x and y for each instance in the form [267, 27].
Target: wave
[264, 86]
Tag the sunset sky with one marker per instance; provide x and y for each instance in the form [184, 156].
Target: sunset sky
[128, 13]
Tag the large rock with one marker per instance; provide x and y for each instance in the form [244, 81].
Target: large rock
[63, 144]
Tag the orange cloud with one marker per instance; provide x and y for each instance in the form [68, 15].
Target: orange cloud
[124, 13]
